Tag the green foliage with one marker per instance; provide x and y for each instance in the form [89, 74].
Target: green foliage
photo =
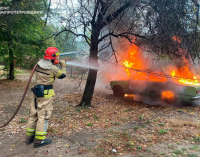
[161, 124]
[23, 120]
[143, 126]
[148, 121]
[78, 110]
[141, 117]
[139, 147]
[171, 147]
[116, 123]
[195, 147]
[161, 153]
[184, 149]
[197, 139]
[22, 35]
[136, 127]
[162, 131]
[6, 2]
[89, 124]
[64, 41]
[192, 155]
[177, 152]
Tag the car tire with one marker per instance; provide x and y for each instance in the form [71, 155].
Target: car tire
[118, 91]
[178, 103]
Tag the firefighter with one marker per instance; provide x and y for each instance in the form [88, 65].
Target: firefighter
[41, 107]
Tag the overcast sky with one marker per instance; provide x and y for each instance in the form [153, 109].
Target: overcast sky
[60, 3]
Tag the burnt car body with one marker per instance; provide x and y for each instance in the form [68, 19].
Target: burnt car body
[152, 91]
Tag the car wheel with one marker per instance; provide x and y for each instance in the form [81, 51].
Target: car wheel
[152, 94]
[118, 91]
[178, 103]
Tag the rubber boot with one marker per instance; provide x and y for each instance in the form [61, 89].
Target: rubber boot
[41, 143]
[29, 139]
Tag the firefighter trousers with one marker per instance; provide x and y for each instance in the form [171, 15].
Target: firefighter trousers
[40, 112]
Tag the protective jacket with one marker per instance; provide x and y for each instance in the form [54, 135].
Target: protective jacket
[41, 107]
[46, 73]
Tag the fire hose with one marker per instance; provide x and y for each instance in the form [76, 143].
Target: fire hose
[95, 68]
[22, 99]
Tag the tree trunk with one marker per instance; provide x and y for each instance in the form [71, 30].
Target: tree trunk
[89, 88]
[11, 65]
[92, 75]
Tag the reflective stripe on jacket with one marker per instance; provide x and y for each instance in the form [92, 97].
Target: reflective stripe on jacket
[47, 76]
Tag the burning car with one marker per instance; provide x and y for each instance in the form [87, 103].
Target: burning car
[152, 91]
[171, 84]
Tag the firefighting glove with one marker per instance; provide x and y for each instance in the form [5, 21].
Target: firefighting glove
[63, 63]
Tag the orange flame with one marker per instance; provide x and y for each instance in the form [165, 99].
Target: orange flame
[185, 78]
[168, 95]
[128, 65]
[135, 60]
[184, 75]
[129, 96]
[178, 39]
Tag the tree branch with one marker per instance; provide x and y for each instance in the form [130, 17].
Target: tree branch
[48, 10]
[113, 16]
[122, 35]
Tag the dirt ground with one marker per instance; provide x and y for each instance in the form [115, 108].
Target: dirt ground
[111, 127]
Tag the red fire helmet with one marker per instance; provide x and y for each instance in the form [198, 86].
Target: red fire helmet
[51, 53]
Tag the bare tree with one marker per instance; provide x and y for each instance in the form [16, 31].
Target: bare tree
[150, 24]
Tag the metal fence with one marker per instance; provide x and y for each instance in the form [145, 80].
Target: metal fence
[76, 71]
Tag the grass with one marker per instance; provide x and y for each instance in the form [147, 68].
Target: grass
[68, 108]
[197, 139]
[22, 120]
[192, 155]
[116, 123]
[148, 121]
[171, 147]
[141, 117]
[184, 149]
[78, 110]
[139, 147]
[195, 147]
[126, 135]
[136, 128]
[177, 152]
[89, 124]
[162, 131]
[148, 150]
[161, 153]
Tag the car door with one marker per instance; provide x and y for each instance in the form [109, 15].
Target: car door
[138, 83]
